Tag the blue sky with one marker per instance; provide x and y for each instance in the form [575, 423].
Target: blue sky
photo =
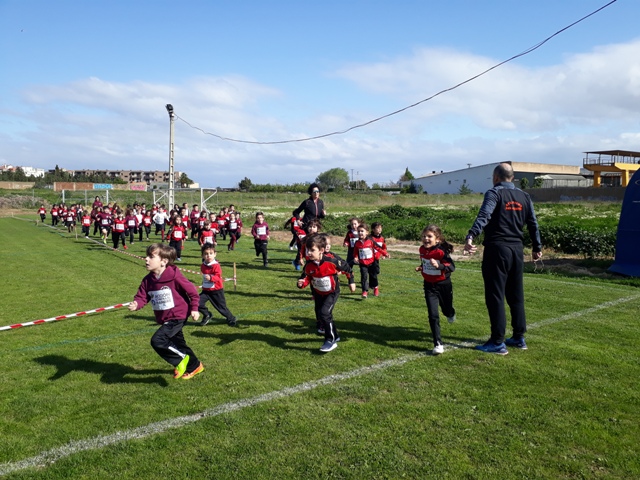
[84, 84]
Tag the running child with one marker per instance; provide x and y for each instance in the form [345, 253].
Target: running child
[436, 267]
[106, 220]
[119, 230]
[147, 221]
[176, 236]
[234, 229]
[43, 213]
[54, 215]
[314, 226]
[194, 215]
[173, 298]
[85, 221]
[208, 234]
[260, 232]
[213, 287]
[291, 224]
[160, 219]
[70, 220]
[300, 234]
[351, 238]
[321, 272]
[364, 255]
[131, 222]
[222, 219]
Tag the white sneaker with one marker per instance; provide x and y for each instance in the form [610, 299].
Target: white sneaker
[438, 349]
[452, 318]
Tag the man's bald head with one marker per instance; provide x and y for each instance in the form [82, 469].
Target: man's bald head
[503, 173]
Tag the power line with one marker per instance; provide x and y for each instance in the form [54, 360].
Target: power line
[342, 132]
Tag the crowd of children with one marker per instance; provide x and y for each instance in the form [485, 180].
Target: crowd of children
[174, 298]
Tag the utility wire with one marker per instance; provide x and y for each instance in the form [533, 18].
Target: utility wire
[342, 132]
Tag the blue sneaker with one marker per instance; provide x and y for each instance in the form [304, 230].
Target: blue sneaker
[516, 343]
[491, 347]
[328, 346]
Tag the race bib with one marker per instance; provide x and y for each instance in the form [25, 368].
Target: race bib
[429, 269]
[352, 241]
[208, 239]
[261, 230]
[365, 253]
[120, 227]
[322, 284]
[105, 221]
[177, 234]
[207, 283]
[233, 225]
[162, 299]
[132, 223]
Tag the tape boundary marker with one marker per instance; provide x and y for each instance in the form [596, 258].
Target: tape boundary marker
[63, 317]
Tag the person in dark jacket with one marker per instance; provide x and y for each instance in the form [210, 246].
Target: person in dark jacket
[313, 207]
[503, 214]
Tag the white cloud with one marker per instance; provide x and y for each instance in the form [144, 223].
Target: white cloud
[549, 114]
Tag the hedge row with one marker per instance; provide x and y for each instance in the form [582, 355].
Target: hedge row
[406, 224]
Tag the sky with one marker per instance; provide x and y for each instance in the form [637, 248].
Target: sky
[84, 84]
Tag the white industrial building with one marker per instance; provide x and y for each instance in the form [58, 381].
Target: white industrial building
[480, 179]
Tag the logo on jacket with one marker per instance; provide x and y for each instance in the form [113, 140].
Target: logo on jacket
[513, 205]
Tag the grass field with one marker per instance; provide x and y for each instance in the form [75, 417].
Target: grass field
[87, 397]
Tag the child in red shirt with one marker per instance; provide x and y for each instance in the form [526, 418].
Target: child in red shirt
[321, 272]
[43, 213]
[213, 287]
[365, 254]
[176, 236]
[436, 267]
[207, 235]
[119, 229]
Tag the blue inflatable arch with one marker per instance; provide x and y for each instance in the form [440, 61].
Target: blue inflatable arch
[627, 260]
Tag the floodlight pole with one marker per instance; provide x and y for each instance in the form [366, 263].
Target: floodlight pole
[171, 174]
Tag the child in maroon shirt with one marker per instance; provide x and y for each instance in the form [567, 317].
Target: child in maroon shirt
[260, 232]
[213, 287]
[173, 298]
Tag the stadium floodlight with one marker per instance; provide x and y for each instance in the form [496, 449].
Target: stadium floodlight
[169, 108]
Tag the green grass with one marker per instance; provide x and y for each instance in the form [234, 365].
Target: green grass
[566, 408]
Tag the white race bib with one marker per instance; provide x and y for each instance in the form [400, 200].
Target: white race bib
[322, 284]
[352, 241]
[261, 230]
[177, 234]
[233, 225]
[429, 269]
[162, 299]
[365, 253]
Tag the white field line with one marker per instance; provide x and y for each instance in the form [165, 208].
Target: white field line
[51, 456]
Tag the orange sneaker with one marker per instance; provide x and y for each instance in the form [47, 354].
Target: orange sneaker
[190, 375]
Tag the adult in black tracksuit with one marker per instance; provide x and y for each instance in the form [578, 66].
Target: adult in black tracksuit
[503, 214]
[313, 207]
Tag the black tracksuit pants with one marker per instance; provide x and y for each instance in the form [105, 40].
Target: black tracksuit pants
[169, 343]
[216, 297]
[324, 313]
[502, 271]
[438, 296]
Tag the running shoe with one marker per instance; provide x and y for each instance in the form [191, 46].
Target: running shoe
[181, 367]
[190, 375]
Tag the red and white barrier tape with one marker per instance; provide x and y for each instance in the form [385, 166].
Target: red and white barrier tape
[63, 317]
